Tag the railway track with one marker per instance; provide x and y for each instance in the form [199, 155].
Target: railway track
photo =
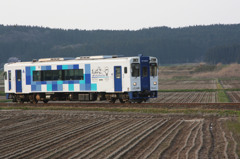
[227, 106]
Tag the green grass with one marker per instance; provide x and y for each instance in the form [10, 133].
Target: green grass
[2, 94]
[187, 90]
[222, 95]
[234, 126]
[135, 110]
[186, 78]
[5, 100]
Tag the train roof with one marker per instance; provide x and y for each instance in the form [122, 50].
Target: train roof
[63, 59]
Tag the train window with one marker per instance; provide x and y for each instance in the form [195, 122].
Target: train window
[118, 72]
[125, 69]
[36, 76]
[135, 69]
[68, 74]
[47, 75]
[144, 71]
[9, 76]
[5, 75]
[19, 75]
[55, 75]
[153, 69]
[78, 74]
[73, 74]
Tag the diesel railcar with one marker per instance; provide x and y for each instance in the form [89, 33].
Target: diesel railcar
[85, 78]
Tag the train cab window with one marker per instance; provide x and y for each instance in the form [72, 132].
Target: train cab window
[153, 69]
[135, 69]
[125, 69]
[144, 71]
[5, 75]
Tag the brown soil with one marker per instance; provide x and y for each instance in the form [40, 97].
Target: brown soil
[81, 134]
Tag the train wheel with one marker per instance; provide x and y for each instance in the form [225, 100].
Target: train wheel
[113, 100]
[45, 101]
[20, 101]
[121, 100]
[35, 101]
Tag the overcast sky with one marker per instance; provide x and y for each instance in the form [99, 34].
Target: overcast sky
[118, 14]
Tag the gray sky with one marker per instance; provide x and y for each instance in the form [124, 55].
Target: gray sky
[118, 14]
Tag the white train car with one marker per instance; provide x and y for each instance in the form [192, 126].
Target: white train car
[129, 79]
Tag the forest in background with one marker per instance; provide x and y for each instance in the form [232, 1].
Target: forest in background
[212, 44]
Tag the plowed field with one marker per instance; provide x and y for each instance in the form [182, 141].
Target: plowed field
[234, 96]
[232, 84]
[79, 134]
[185, 84]
[186, 97]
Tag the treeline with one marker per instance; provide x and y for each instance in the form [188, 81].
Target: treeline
[223, 54]
[170, 45]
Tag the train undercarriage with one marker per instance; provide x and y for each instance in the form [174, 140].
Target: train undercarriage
[126, 97]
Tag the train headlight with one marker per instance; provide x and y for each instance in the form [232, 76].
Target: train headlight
[134, 83]
[155, 83]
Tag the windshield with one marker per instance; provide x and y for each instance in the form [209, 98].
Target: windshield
[135, 69]
[153, 69]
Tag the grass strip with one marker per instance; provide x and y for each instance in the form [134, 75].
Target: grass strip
[222, 95]
[5, 100]
[188, 90]
[233, 126]
[195, 111]
[197, 90]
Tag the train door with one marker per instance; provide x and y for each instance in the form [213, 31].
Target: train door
[9, 80]
[18, 81]
[117, 78]
[145, 77]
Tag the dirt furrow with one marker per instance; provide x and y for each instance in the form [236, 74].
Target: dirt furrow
[20, 124]
[35, 137]
[51, 141]
[153, 141]
[235, 146]
[132, 142]
[204, 151]
[84, 141]
[187, 140]
[179, 140]
[193, 144]
[95, 149]
[158, 148]
[10, 122]
[225, 142]
[145, 144]
[26, 131]
[170, 141]
[199, 146]
[211, 149]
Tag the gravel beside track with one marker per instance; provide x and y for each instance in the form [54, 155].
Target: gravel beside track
[91, 134]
